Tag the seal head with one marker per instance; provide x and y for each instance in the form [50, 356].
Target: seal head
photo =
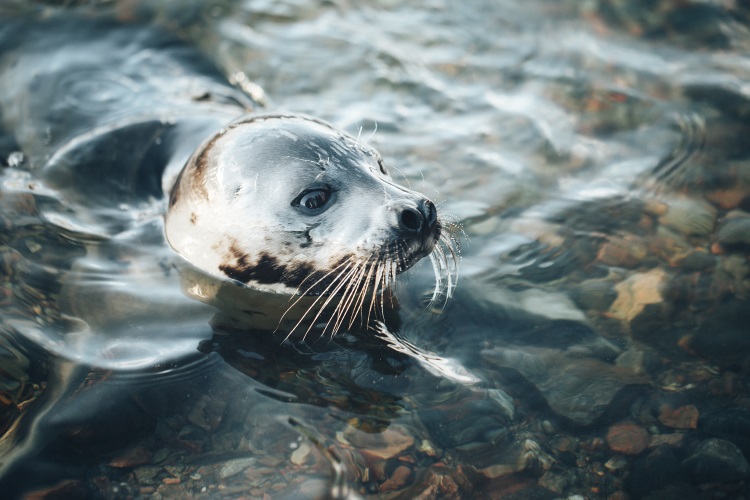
[289, 204]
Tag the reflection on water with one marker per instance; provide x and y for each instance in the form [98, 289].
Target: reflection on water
[596, 345]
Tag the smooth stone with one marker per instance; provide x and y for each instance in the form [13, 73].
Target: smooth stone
[232, 467]
[596, 294]
[690, 216]
[735, 229]
[716, 461]
[577, 388]
[696, 261]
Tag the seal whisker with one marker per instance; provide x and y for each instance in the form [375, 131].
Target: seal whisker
[392, 277]
[389, 275]
[376, 286]
[382, 284]
[337, 278]
[299, 296]
[343, 281]
[340, 311]
[372, 134]
[402, 175]
[349, 297]
[400, 254]
[452, 224]
[297, 290]
[448, 276]
[450, 252]
[335, 312]
[363, 292]
[378, 283]
[438, 279]
[444, 250]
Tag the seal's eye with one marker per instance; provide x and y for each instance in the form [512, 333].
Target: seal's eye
[313, 201]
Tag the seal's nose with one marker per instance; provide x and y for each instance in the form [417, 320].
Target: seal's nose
[420, 219]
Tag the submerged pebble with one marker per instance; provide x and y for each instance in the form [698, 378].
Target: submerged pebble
[636, 292]
[684, 417]
[734, 230]
[690, 216]
[597, 294]
[627, 438]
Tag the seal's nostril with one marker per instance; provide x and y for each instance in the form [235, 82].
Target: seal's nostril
[429, 212]
[411, 220]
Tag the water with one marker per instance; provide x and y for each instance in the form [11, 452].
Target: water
[596, 155]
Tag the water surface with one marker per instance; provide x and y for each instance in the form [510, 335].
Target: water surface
[596, 154]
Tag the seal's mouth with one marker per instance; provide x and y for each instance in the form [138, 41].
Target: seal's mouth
[408, 251]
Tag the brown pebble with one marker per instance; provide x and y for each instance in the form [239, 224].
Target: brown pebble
[171, 480]
[399, 478]
[636, 292]
[684, 417]
[629, 439]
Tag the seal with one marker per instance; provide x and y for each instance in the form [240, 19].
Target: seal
[139, 158]
[280, 204]
[288, 204]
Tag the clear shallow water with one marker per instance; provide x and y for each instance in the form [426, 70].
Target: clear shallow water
[597, 156]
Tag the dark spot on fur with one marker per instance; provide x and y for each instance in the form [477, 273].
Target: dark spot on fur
[268, 270]
[175, 194]
[193, 218]
[201, 161]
